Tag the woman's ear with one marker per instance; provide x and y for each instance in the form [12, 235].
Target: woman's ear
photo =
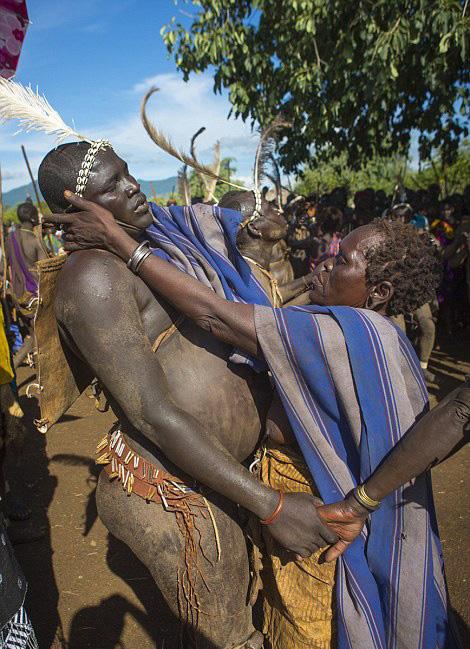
[379, 296]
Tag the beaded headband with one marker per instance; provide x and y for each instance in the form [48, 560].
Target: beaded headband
[87, 164]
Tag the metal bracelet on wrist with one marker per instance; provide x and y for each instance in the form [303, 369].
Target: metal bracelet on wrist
[139, 255]
[364, 500]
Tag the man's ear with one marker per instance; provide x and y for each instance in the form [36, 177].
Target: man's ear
[253, 230]
[379, 296]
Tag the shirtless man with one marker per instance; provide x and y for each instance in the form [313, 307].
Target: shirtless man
[183, 410]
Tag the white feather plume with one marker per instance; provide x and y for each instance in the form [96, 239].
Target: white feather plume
[33, 111]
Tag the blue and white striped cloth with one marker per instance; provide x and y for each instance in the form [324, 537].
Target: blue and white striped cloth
[351, 386]
[201, 241]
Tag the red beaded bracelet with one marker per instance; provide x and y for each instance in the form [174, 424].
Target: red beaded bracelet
[270, 520]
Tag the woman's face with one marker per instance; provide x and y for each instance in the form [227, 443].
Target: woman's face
[341, 280]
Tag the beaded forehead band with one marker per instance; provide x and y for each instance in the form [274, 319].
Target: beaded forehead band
[256, 211]
[87, 164]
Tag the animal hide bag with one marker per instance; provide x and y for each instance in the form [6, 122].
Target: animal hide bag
[61, 376]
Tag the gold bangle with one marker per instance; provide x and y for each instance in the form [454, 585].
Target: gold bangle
[364, 499]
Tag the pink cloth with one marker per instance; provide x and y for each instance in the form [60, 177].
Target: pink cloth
[13, 25]
[327, 250]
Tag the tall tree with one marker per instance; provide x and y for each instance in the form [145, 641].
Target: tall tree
[349, 76]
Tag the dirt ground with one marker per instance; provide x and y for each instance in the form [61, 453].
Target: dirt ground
[87, 591]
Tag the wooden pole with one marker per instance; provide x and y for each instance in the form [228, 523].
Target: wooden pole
[38, 200]
[4, 254]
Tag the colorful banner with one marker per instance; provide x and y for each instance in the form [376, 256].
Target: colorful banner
[13, 25]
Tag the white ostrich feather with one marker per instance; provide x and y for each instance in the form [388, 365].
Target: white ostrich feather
[33, 111]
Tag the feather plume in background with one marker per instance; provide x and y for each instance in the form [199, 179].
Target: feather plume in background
[211, 183]
[192, 146]
[33, 112]
[182, 186]
[164, 143]
[265, 149]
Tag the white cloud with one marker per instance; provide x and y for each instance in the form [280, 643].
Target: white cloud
[179, 109]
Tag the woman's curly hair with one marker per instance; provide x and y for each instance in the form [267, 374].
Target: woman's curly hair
[407, 259]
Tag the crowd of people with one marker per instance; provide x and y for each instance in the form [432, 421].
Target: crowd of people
[317, 225]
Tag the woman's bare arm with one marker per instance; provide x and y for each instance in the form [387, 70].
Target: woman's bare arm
[95, 227]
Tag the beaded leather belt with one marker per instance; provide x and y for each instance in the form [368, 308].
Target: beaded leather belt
[141, 477]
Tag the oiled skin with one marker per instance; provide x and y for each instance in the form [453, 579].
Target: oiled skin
[280, 265]
[105, 314]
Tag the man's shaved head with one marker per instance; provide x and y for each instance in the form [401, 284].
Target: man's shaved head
[109, 185]
[27, 213]
[58, 172]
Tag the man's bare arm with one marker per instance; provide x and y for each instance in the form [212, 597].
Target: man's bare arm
[436, 436]
[99, 311]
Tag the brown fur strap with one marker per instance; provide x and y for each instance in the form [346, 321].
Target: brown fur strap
[61, 375]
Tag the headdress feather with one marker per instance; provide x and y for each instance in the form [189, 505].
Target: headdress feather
[164, 143]
[276, 180]
[209, 183]
[33, 111]
[265, 148]
[192, 146]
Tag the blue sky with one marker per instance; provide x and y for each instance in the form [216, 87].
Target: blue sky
[94, 59]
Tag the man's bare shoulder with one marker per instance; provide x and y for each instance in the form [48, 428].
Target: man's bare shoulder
[92, 279]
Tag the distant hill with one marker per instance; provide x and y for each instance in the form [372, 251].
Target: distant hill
[161, 187]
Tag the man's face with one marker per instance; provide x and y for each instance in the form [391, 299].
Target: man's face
[272, 224]
[341, 280]
[111, 186]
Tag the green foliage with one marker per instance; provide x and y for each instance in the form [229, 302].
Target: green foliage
[450, 177]
[385, 172]
[378, 173]
[349, 76]
[9, 215]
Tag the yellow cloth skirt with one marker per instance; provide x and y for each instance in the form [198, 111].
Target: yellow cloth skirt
[6, 372]
[297, 595]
